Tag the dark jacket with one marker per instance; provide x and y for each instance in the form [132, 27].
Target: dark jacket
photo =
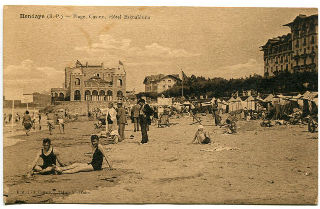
[121, 115]
[147, 110]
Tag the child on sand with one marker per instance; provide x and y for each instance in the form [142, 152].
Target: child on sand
[201, 136]
[49, 157]
[95, 164]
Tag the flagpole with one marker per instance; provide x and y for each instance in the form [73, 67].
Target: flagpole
[182, 84]
[12, 112]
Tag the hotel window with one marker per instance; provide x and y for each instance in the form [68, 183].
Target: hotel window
[297, 44]
[305, 61]
[281, 67]
[312, 60]
[164, 86]
[169, 86]
[304, 41]
[77, 81]
[312, 39]
[169, 81]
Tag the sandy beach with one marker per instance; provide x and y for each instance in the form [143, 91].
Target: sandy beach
[257, 165]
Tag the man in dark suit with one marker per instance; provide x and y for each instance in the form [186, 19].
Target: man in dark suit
[144, 118]
[121, 119]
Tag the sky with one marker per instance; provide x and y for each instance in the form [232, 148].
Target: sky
[210, 42]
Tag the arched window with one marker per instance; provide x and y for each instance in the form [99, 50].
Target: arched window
[77, 95]
[109, 95]
[77, 82]
[87, 95]
[102, 95]
[61, 96]
[119, 82]
[94, 95]
[119, 94]
[56, 95]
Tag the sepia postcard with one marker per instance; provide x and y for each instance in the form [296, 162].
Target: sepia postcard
[171, 105]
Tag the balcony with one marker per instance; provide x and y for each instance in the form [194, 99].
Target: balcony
[296, 68]
[304, 55]
[303, 67]
[296, 56]
[312, 65]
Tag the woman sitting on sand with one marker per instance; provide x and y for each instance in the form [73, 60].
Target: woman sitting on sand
[49, 157]
[201, 136]
[95, 164]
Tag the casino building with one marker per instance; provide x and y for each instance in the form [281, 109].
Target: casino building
[295, 52]
[85, 82]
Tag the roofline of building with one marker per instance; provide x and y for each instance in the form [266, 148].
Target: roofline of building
[298, 17]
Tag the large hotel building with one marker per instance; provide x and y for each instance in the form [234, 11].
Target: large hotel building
[295, 52]
[85, 82]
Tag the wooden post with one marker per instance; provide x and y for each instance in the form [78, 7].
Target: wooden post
[12, 112]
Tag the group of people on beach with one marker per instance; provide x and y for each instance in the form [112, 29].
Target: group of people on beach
[116, 120]
[51, 157]
[141, 113]
[29, 122]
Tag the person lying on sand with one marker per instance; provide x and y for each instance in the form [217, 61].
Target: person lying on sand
[49, 156]
[201, 136]
[95, 164]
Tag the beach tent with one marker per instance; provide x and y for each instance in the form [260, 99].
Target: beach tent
[312, 95]
[306, 94]
[203, 104]
[239, 103]
[269, 98]
[212, 100]
[315, 100]
[232, 104]
[297, 97]
[249, 103]
[235, 104]
[186, 103]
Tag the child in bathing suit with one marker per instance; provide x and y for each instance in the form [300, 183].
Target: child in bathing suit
[49, 156]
